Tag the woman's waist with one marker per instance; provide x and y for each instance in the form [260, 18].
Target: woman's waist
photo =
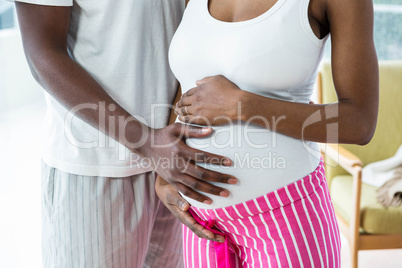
[256, 147]
[276, 166]
[256, 178]
[248, 195]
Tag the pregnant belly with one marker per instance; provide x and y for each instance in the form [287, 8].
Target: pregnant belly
[263, 161]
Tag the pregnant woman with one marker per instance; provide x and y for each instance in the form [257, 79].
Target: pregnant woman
[248, 68]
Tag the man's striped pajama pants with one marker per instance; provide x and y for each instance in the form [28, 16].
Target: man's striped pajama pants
[106, 222]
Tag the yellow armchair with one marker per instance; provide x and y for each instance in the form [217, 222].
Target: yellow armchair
[364, 222]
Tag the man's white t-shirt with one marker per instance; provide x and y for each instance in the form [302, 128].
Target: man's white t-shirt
[124, 46]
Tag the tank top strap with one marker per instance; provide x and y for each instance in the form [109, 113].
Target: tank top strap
[303, 12]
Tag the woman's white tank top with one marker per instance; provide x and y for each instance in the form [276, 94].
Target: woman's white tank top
[275, 55]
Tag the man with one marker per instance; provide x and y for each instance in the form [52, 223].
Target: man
[103, 65]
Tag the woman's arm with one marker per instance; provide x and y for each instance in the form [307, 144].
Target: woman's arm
[355, 71]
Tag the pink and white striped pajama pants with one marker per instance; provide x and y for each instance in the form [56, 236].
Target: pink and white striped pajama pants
[293, 226]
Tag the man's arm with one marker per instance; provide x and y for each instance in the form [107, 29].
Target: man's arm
[44, 32]
[177, 205]
[44, 35]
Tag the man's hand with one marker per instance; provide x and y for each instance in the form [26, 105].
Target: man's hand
[178, 206]
[175, 161]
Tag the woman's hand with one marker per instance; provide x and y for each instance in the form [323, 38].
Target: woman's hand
[171, 198]
[215, 101]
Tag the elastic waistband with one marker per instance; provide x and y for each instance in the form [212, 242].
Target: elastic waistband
[271, 201]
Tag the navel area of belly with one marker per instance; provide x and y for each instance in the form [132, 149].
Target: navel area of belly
[251, 148]
[263, 161]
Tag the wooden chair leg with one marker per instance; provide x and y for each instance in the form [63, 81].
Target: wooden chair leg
[355, 221]
[354, 256]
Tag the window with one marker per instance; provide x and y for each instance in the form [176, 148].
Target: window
[6, 15]
[387, 30]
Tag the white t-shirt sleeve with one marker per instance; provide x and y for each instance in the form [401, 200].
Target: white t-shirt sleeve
[46, 2]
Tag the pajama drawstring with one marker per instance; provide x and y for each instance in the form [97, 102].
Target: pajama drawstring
[222, 250]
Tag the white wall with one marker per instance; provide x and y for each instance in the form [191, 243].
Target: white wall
[21, 117]
[17, 86]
